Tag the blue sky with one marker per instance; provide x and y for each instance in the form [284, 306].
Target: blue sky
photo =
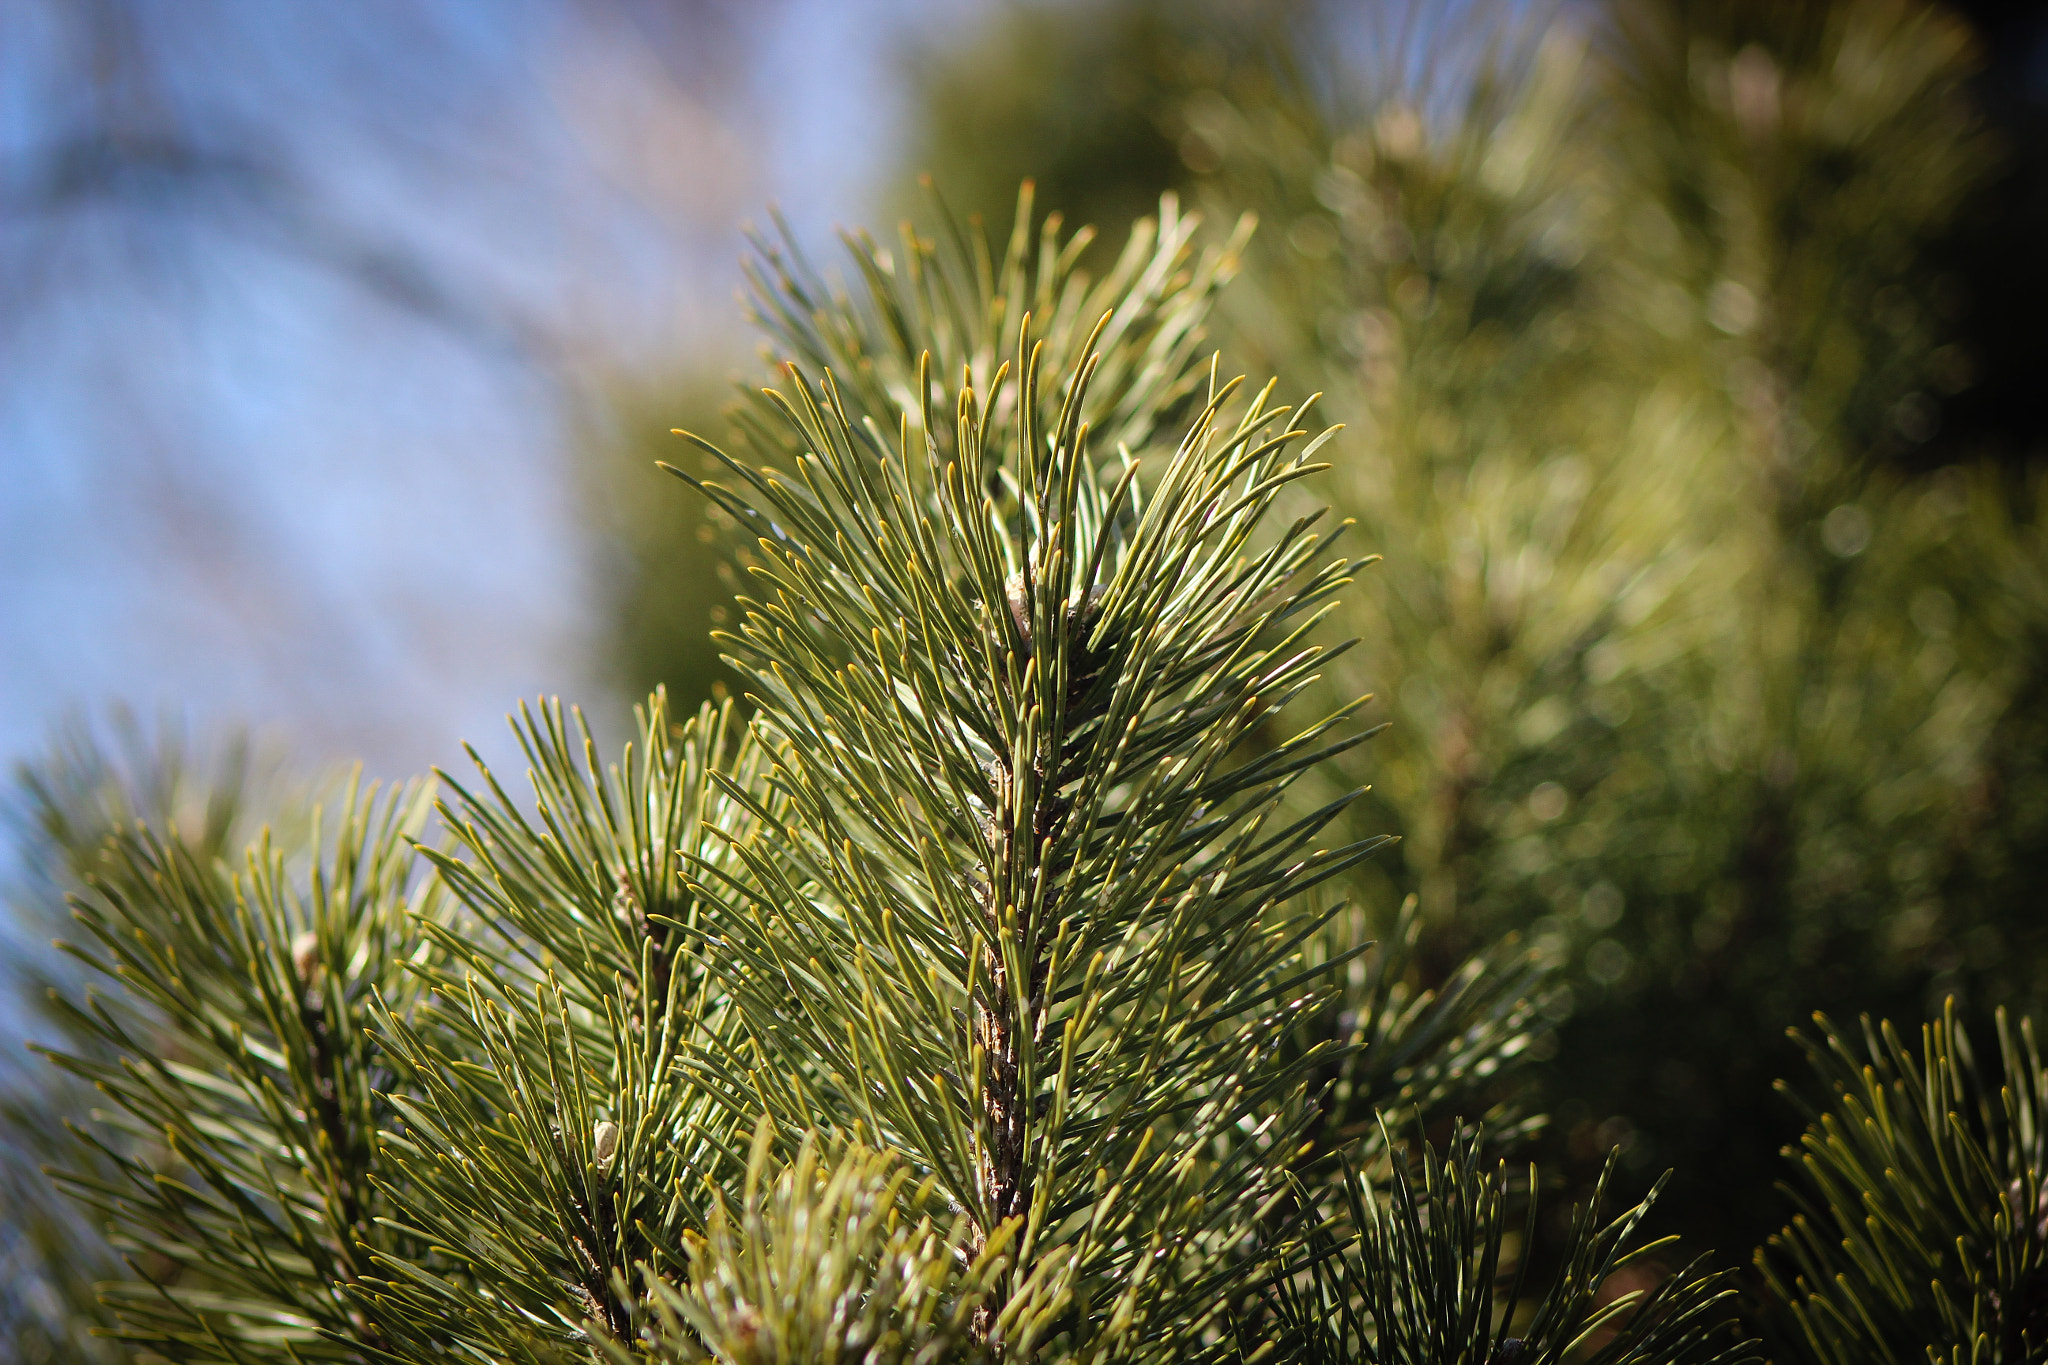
[297, 306]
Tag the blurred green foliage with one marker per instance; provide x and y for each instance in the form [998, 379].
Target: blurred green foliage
[1099, 151]
[664, 563]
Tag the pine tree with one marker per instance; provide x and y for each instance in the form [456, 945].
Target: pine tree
[1055, 919]
[988, 993]
[1651, 323]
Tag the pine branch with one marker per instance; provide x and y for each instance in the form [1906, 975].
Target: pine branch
[549, 1139]
[1002, 926]
[821, 1262]
[93, 783]
[239, 1154]
[1027, 910]
[1433, 1055]
[1922, 1197]
[1419, 1277]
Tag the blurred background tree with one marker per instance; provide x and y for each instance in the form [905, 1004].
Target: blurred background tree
[1086, 101]
[665, 571]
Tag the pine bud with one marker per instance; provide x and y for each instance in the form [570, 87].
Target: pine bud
[1020, 610]
[605, 1143]
[306, 956]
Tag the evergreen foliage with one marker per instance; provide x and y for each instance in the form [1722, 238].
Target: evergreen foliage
[1922, 1232]
[551, 1148]
[240, 1152]
[1053, 922]
[999, 925]
[1710, 639]
[822, 1265]
[1050, 919]
[92, 786]
[997, 979]
[1424, 1281]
